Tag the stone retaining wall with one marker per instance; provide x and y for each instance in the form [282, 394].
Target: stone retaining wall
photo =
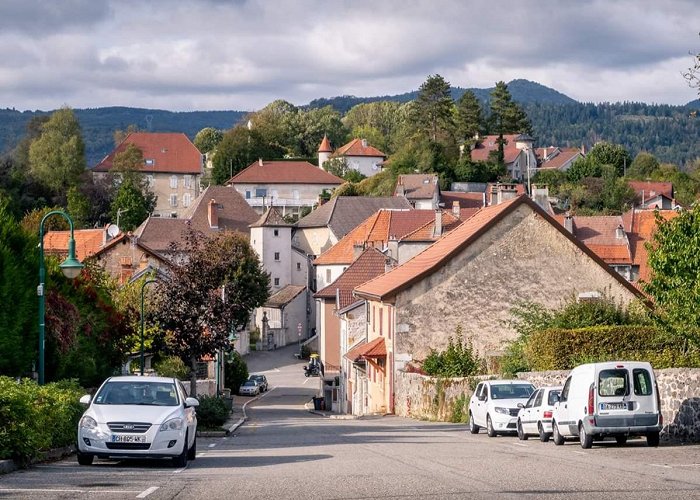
[428, 398]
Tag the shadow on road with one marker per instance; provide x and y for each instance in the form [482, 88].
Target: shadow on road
[256, 461]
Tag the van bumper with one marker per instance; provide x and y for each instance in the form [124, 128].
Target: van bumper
[629, 426]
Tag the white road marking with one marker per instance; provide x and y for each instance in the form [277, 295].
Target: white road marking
[305, 381]
[662, 466]
[580, 452]
[147, 492]
[44, 490]
[519, 444]
[688, 465]
[177, 471]
[212, 445]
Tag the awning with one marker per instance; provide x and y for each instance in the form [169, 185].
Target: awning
[373, 349]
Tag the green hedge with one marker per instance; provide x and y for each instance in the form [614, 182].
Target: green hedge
[562, 349]
[211, 413]
[35, 418]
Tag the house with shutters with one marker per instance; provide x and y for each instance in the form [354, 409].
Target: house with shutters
[472, 277]
[358, 155]
[172, 165]
[518, 153]
[291, 186]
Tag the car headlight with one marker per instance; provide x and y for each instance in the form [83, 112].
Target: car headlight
[174, 424]
[88, 423]
[499, 409]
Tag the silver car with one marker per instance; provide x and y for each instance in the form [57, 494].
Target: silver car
[250, 388]
[138, 417]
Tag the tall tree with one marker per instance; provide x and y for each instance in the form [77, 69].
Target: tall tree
[57, 156]
[432, 109]
[208, 139]
[643, 166]
[468, 119]
[606, 153]
[239, 148]
[506, 116]
[193, 312]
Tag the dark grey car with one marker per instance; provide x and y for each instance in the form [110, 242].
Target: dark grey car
[261, 380]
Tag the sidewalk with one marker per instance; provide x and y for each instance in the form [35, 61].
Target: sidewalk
[329, 414]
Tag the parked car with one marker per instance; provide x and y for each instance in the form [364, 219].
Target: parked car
[495, 405]
[617, 398]
[261, 380]
[249, 388]
[138, 417]
[535, 418]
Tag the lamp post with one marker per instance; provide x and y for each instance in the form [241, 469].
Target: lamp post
[71, 268]
[143, 287]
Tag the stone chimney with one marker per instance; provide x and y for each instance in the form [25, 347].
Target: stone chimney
[455, 209]
[260, 162]
[213, 216]
[388, 264]
[364, 143]
[357, 248]
[506, 192]
[544, 153]
[437, 230]
[400, 189]
[619, 232]
[569, 223]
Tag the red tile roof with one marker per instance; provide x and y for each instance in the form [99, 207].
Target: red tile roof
[284, 172]
[417, 186]
[373, 349]
[87, 242]
[648, 189]
[358, 147]
[489, 143]
[169, 153]
[370, 264]
[642, 225]
[465, 200]
[325, 146]
[427, 231]
[599, 234]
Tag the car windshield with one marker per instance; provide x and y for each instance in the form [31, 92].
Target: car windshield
[249, 383]
[137, 393]
[511, 391]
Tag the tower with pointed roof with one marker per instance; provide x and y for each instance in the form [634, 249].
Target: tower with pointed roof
[324, 151]
[271, 238]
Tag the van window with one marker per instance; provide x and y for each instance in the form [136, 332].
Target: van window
[613, 382]
[642, 382]
[565, 391]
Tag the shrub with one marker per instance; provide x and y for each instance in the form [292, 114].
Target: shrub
[212, 412]
[458, 360]
[460, 413]
[172, 366]
[235, 371]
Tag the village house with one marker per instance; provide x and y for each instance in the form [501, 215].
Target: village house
[518, 154]
[421, 190]
[357, 154]
[173, 167]
[653, 195]
[558, 158]
[291, 186]
[472, 277]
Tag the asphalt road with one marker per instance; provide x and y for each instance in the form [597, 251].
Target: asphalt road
[283, 451]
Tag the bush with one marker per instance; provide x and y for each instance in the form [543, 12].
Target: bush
[563, 349]
[172, 366]
[35, 418]
[458, 360]
[212, 412]
[235, 372]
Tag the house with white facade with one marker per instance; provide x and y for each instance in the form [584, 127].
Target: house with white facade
[421, 190]
[558, 158]
[173, 167]
[288, 185]
[519, 155]
[358, 155]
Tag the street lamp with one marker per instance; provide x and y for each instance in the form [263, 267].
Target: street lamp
[71, 268]
[143, 286]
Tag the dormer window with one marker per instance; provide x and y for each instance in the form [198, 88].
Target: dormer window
[150, 162]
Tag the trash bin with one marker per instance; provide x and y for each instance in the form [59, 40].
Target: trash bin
[317, 403]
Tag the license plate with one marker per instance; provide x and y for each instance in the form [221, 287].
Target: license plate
[125, 438]
[613, 406]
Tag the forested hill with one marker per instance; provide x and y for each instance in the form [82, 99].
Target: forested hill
[98, 125]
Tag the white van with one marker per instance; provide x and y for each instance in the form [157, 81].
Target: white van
[617, 398]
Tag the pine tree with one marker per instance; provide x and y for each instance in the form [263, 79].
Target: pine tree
[432, 111]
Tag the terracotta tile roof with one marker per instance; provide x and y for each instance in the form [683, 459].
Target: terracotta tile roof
[375, 231]
[325, 146]
[465, 200]
[284, 172]
[439, 253]
[284, 296]
[169, 153]
[642, 225]
[370, 264]
[358, 147]
[233, 211]
[599, 234]
[561, 159]
[374, 349]
[87, 242]
[489, 143]
[342, 214]
[417, 186]
[271, 218]
[648, 189]
[427, 231]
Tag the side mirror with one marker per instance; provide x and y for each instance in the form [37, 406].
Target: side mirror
[191, 402]
[520, 405]
[483, 397]
[85, 400]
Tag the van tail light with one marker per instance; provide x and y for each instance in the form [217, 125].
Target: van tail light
[547, 414]
[591, 398]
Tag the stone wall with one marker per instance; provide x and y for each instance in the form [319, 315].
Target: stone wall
[428, 398]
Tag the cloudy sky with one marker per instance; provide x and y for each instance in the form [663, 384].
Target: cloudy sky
[242, 54]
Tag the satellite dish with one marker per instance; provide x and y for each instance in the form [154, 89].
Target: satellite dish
[113, 230]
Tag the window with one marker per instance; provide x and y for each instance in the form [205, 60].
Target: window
[276, 232]
[173, 181]
[328, 276]
[477, 392]
[260, 192]
[553, 397]
[277, 282]
[188, 181]
[532, 401]
[173, 200]
[374, 318]
[381, 322]
[247, 195]
[642, 382]
[565, 391]
[186, 199]
[613, 382]
[298, 266]
[277, 256]
[149, 162]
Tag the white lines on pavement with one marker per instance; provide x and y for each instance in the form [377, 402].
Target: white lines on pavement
[688, 465]
[177, 471]
[580, 452]
[44, 490]
[305, 381]
[519, 444]
[147, 492]
[212, 445]
[663, 466]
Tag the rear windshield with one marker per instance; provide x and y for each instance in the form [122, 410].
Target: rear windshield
[642, 382]
[511, 391]
[613, 382]
[553, 397]
[137, 393]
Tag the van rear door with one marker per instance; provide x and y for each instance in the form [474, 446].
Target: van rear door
[625, 397]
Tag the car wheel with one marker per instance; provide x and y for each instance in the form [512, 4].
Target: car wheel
[558, 438]
[181, 459]
[521, 435]
[489, 427]
[544, 436]
[621, 439]
[192, 452]
[85, 458]
[473, 428]
[585, 438]
[653, 439]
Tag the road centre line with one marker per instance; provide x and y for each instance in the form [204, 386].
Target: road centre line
[519, 444]
[663, 466]
[147, 492]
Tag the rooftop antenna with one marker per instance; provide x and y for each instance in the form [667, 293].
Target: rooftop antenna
[149, 122]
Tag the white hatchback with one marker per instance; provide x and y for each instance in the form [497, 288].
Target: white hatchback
[535, 418]
[495, 405]
[138, 417]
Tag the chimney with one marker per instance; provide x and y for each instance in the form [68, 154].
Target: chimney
[455, 209]
[213, 216]
[569, 223]
[357, 248]
[260, 162]
[583, 149]
[364, 143]
[619, 232]
[544, 153]
[400, 189]
[388, 264]
[506, 192]
[437, 231]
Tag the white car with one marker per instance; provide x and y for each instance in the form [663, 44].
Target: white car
[250, 388]
[138, 417]
[535, 418]
[495, 405]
